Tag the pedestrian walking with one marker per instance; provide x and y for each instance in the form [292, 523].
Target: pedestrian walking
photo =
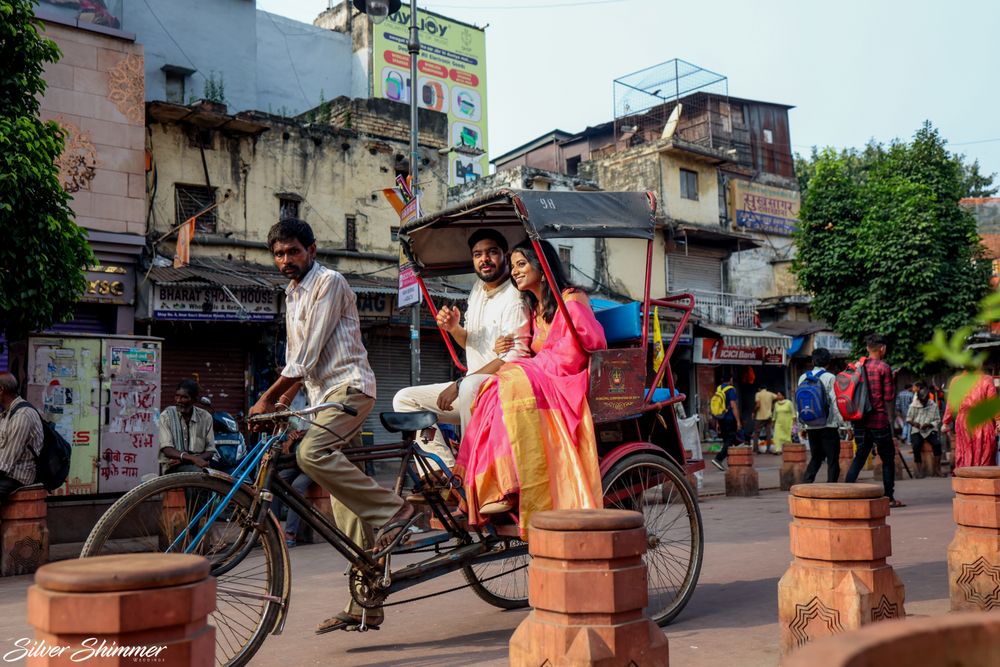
[726, 411]
[763, 409]
[874, 430]
[903, 401]
[816, 404]
[784, 417]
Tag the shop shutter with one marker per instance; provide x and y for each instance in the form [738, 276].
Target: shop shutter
[694, 272]
[96, 318]
[220, 369]
[4, 356]
[389, 356]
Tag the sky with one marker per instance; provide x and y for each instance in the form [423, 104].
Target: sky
[853, 70]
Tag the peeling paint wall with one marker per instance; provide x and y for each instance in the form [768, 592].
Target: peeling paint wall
[336, 172]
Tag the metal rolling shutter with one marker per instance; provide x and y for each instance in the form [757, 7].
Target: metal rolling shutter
[389, 356]
[694, 272]
[90, 318]
[219, 368]
[4, 356]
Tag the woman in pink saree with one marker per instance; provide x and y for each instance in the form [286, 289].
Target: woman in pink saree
[978, 448]
[530, 444]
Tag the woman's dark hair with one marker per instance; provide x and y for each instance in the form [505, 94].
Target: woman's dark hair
[190, 387]
[549, 304]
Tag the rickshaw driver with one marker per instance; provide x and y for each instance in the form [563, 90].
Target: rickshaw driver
[495, 309]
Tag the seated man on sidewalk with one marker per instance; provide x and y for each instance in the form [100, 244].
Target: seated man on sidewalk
[20, 438]
[187, 438]
[495, 310]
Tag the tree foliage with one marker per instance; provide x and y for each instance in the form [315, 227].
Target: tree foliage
[42, 250]
[884, 246]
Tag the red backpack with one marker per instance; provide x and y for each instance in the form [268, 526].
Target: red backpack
[851, 390]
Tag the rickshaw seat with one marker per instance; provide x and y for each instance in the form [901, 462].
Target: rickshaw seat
[663, 394]
[394, 422]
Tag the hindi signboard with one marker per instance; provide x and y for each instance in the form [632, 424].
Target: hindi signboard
[764, 208]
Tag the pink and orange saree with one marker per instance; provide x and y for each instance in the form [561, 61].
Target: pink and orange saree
[531, 433]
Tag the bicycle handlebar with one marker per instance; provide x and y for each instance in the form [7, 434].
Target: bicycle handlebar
[284, 414]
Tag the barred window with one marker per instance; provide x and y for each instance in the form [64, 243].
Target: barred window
[189, 200]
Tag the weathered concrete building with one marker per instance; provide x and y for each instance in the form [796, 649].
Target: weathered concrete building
[220, 315]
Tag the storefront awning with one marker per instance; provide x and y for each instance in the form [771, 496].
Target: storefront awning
[748, 337]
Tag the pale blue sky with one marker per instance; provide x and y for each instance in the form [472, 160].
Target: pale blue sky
[853, 69]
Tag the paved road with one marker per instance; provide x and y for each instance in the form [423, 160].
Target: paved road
[731, 619]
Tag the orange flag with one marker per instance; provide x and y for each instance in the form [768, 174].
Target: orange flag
[397, 202]
[182, 252]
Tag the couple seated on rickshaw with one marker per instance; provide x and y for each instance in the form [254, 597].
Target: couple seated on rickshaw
[528, 441]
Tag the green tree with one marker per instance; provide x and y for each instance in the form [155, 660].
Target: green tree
[42, 250]
[884, 246]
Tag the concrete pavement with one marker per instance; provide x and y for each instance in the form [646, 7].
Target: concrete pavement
[731, 620]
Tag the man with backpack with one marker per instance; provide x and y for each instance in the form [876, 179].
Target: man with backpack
[724, 408]
[874, 429]
[20, 438]
[815, 403]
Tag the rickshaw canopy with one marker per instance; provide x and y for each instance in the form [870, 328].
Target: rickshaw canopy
[438, 243]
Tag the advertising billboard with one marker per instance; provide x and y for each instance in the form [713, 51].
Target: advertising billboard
[451, 78]
[765, 209]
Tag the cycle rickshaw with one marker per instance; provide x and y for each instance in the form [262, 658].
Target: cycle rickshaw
[227, 518]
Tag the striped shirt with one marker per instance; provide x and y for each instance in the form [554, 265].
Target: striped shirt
[20, 440]
[324, 335]
[197, 438]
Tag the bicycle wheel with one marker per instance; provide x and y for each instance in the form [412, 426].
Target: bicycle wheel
[502, 581]
[247, 563]
[656, 487]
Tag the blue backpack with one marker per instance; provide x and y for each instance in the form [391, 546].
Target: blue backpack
[810, 400]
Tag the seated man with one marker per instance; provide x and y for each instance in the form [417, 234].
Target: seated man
[187, 439]
[495, 310]
[20, 438]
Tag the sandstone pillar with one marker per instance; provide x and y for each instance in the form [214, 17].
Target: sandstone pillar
[741, 477]
[974, 553]
[157, 605]
[839, 579]
[24, 532]
[587, 584]
[793, 465]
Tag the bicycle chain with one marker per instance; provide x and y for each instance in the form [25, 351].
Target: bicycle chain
[429, 595]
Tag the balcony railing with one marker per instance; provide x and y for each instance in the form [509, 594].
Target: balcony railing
[727, 309]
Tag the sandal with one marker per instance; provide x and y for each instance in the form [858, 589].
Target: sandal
[290, 540]
[897, 503]
[349, 623]
[394, 533]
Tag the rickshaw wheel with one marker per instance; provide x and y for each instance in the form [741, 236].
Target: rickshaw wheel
[655, 486]
[502, 582]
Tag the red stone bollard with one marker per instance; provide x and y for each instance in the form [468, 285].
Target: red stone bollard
[319, 498]
[173, 516]
[741, 477]
[974, 553]
[24, 532]
[839, 579]
[877, 468]
[793, 465]
[845, 458]
[123, 610]
[587, 584]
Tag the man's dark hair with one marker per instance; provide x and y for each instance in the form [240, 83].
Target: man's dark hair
[726, 377]
[190, 387]
[821, 357]
[8, 383]
[875, 340]
[291, 229]
[488, 235]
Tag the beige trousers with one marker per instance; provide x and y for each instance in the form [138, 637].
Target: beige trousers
[359, 503]
[424, 397]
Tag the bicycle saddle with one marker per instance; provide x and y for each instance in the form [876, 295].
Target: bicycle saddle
[394, 422]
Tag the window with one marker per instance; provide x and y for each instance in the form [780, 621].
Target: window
[175, 87]
[566, 257]
[768, 137]
[288, 207]
[727, 119]
[394, 234]
[689, 184]
[573, 166]
[350, 232]
[189, 200]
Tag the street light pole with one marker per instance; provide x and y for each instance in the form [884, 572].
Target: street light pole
[413, 48]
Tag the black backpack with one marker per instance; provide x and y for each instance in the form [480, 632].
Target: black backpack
[52, 460]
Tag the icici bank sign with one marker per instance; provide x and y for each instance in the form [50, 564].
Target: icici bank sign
[716, 351]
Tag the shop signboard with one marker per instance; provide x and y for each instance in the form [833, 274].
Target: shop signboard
[451, 78]
[409, 288]
[764, 208]
[212, 303]
[715, 351]
[108, 283]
